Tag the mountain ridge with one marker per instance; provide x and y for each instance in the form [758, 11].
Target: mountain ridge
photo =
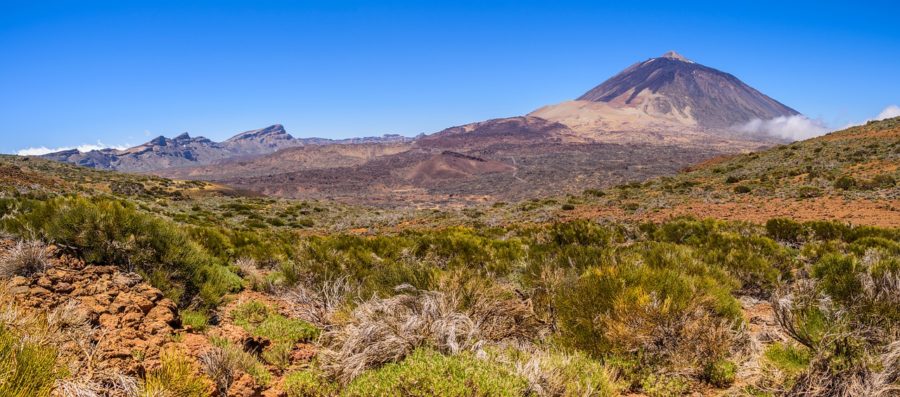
[183, 150]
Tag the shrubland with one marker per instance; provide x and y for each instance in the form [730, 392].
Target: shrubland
[510, 299]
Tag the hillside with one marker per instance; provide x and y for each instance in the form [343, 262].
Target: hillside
[128, 285]
[849, 175]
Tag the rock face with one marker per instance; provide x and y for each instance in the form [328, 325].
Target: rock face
[261, 141]
[125, 320]
[674, 85]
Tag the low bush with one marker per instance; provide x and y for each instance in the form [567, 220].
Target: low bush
[720, 373]
[788, 358]
[845, 183]
[114, 233]
[309, 383]
[197, 320]
[742, 189]
[654, 304]
[260, 320]
[785, 230]
[428, 373]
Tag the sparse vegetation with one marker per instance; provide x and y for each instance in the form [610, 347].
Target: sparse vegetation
[494, 300]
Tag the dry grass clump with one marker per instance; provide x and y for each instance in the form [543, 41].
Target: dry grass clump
[318, 302]
[25, 258]
[226, 361]
[381, 331]
[220, 367]
[100, 385]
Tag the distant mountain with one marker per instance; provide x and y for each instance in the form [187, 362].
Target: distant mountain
[261, 141]
[673, 85]
[185, 151]
[654, 118]
[669, 94]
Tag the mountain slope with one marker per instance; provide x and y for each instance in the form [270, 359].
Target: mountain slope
[673, 85]
[669, 100]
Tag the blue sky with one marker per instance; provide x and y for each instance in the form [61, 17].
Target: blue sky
[120, 72]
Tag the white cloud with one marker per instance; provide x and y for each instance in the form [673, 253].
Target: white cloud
[787, 127]
[38, 151]
[889, 112]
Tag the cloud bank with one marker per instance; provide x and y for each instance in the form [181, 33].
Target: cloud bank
[889, 112]
[38, 151]
[787, 127]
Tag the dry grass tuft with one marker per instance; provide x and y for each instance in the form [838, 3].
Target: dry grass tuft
[102, 385]
[221, 367]
[24, 259]
[381, 331]
[317, 303]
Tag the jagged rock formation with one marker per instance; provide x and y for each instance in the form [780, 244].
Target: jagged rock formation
[183, 151]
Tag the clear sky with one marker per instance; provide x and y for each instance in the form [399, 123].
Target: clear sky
[120, 72]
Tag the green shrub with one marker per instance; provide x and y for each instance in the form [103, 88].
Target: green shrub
[114, 233]
[26, 369]
[197, 320]
[250, 314]
[260, 320]
[785, 230]
[790, 359]
[652, 301]
[278, 354]
[742, 189]
[664, 386]
[720, 373]
[570, 374]
[568, 207]
[428, 373]
[808, 192]
[845, 183]
[280, 329]
[234, 356]
[308, 383]
[884, 181]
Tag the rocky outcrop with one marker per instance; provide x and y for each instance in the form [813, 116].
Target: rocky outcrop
[126, 321]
